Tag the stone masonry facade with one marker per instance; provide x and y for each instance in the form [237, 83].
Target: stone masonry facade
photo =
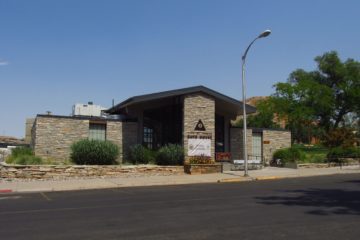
[199, 107]
[274, 140]
[52, 136]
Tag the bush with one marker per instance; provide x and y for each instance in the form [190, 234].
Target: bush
[339, 152]
[94, 152]
[23, 156]
[20, 151]
[340, 137]
[171, 154]
[200, 160]
[141, 155]
[27, 160]
[289, 155]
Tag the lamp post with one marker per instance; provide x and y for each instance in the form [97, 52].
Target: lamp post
[262, 35]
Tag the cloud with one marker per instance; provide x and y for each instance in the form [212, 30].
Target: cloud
[3, 62]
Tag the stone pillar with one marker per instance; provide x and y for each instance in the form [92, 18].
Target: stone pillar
[114, 135]
[197, 107]
[236, 143]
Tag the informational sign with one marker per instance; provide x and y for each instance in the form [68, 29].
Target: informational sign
[200, 126]
[222, 156]
[199, 147]
[266, 142]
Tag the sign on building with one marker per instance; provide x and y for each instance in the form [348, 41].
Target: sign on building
[199, 147]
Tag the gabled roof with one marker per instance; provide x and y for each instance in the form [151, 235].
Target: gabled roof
[179, 92]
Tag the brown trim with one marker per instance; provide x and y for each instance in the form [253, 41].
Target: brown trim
[100, 122]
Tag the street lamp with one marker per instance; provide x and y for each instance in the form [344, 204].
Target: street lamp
[262, 35]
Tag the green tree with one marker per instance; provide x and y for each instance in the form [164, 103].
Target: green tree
[264, 116]
[318, 101]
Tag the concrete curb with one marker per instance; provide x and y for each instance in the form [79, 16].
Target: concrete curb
[233, 180]
[271, 178]
[6, 190]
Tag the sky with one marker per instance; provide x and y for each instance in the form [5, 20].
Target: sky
[54, 54]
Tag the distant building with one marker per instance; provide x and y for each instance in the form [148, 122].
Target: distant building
[89, 109]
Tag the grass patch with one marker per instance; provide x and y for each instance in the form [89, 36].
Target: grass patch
[313, 153]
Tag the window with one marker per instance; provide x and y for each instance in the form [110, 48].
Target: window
[97, 131]
[148, 137]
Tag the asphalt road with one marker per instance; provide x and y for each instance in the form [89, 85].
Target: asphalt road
[303, 208]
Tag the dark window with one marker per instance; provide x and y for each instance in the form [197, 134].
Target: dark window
[148, 137]
[97, 131]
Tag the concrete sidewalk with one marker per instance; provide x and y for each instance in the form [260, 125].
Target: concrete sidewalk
[116, 182]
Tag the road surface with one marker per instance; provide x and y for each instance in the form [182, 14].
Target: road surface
[325, 207]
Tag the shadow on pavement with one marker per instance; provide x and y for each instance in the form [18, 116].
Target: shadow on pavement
[324, 201]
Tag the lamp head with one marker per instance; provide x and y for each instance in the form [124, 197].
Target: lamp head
[265, 33]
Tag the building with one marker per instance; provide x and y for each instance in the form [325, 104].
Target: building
[197, 118]
[89, 109]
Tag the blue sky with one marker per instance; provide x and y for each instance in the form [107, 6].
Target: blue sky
[57, 53]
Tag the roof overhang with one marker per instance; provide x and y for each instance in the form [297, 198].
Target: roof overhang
[229, 103]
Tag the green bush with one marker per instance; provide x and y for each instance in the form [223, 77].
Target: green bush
[94, 152]
[171, 154]
[141, 155]
[27, 160]
[289, 155]
[200, 160]
[339, 152]
[20, 151]
[23, 156]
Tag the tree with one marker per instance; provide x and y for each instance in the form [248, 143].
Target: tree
[264, 116]
[321, 100]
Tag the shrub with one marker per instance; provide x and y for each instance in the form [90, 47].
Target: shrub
[340, 137]
[94, 152]
[200, 160]
[23, 156]
[171, 154]
[19, 151]
[339, 152]
[141, 155]
[27, 160]
[289, 155]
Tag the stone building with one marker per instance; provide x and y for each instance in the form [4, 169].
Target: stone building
[197, 118]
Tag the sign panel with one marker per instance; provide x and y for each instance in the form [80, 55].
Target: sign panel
[200, 126]
[199, 147]
[222, 156]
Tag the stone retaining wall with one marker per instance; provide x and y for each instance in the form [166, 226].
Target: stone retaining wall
[76, 171]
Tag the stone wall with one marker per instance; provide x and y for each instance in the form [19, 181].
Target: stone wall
[236, 143]
[199, 107]
[114, 134]
[52, 136]
[274, 140]
[76, 171]
[28, 126]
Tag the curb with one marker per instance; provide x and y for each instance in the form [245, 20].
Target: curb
[269, 178]
[233, 180]
[6, 190]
